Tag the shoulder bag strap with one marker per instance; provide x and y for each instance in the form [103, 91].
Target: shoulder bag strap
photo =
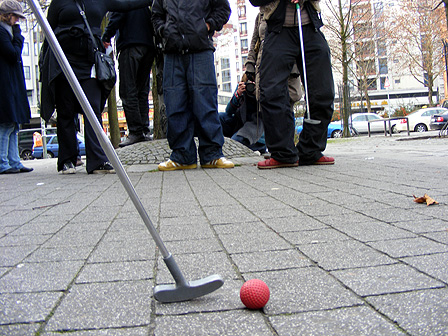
[83, 14]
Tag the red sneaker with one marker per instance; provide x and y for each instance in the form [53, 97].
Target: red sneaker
[325, 160]
[273, 163]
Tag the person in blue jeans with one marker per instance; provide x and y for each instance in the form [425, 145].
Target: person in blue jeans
[189, 81]
[241, 121]
[14, 107]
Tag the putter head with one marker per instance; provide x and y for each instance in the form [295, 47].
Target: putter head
[312, 121]
[194, 289]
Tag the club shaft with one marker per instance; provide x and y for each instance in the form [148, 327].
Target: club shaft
[302, 51]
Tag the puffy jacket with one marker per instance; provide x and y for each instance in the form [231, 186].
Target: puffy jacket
[181, 24]
[277, 18]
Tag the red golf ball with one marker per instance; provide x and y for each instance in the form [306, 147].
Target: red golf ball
[254, 294]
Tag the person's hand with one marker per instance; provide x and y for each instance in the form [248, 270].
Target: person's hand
[16, 30]
[106, 44]
[241, 88]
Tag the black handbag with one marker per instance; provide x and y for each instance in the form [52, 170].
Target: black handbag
[104, 64]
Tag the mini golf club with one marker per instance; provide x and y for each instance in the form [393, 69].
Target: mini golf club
[182, 290]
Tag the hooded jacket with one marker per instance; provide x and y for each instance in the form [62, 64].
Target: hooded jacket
[181, 24]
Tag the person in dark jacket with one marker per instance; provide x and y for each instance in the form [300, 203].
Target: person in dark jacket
[134, 39]
[68, 25]
[241, 121]
[189, 80]
[14, 107]
[280, 52]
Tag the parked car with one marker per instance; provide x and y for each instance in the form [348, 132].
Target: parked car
[53, 147]
[360, 123]
[26, 141]
[419, 120]
[438, 121]
[334, 128]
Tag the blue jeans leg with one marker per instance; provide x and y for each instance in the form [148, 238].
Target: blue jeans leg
[9, 148]
[180, 131]
[203, 92]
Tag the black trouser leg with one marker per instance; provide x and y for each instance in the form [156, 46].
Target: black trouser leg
[280, 52]
[68, 108]
[313, 139]
[135, 66]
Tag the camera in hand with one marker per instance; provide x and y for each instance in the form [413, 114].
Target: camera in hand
[250, 87]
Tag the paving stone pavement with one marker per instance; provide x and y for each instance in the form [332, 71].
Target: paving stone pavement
[343, 248]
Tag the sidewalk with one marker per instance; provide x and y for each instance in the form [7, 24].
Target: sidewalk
[343, 248]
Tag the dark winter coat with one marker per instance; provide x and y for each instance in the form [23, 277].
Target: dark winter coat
[181, 24]
[14, 105]
[277, 18]
[75, 41]
[131, 29]
[243, 109]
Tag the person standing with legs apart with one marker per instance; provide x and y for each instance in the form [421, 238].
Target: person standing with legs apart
[189, 80]
[280, 52]
[135, 44]
[14, 108]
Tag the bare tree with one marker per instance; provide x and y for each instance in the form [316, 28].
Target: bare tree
[419, 50]
[351, 31]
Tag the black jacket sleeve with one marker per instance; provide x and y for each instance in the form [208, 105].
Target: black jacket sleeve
[112, 27]
[219, 15]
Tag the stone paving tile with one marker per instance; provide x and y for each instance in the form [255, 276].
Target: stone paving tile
[26, 307]
[420, 313]
[60, 253]
[117, 271]
[252, 242]
[19, 329]
[197, 266]
[136, 331]
[11, 256]
[296, 223]
[435, 265]
[208, 245]
[303, 289]
[269, 260]
[372, 231]
[104, 305]
[441, 236]
[335, 255]
[242, 323]
[423, 226]
[314, 236]
[409, 247]
[115, 251]
[352, 321]
[45, 276]
[385, 279]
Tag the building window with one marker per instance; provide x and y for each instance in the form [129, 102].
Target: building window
[382, 63]
[243, 28]
[226, 76]
[226, 87]
[26, 71]
[225, 63]
[26, 49]
[242, 12]
[244, 44]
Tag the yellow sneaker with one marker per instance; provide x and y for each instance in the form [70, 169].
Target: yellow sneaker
[171, 165]
[219, 163]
